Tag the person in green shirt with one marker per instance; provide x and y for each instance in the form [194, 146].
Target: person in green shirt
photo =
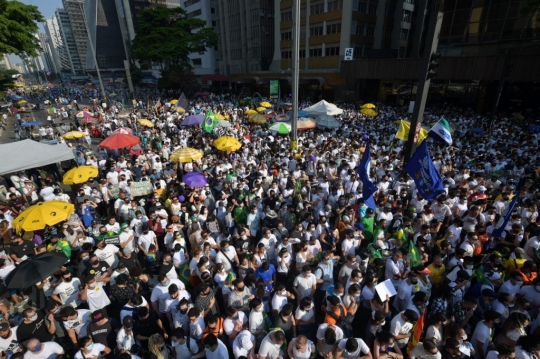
[368, 221]
[58, 245]
[240, 213]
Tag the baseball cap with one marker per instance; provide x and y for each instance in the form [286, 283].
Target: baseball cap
[493, 276]
[4, 326]
[98, 315]
[246, 342]
[481, 189]
[128, 321]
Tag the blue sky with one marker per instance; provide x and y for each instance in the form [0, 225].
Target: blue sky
[47, 8]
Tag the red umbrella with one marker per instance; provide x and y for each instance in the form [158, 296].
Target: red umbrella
[119, 140]
[124, 131]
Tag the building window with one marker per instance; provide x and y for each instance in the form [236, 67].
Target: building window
[362, 7]
[360, 29]
[286, 35]
[315, 52]
[370, 30]
[196, 62]
[286, 16]
[372, 9]
[333, 29]
[332, 5]
[303, 9]
[404, 34]
[212, 10]
[213, 23]
[316, 30]
[317, 9]
[302, 53]
[331, 50]
[302, 32]
[286, 54]
[407, 15]
[194, 13]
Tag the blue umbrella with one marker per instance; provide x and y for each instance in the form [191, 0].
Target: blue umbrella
[194, 179]
[193, 120]
[300, 114]
[32, 123]
[327, 121]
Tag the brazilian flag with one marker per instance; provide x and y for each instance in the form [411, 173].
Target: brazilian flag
[209, 122]
[414, 255]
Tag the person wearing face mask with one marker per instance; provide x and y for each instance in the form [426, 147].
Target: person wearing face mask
[36, 325]
[89, 349]
[101, 270]
[503, 304]
[93, 293]
[258, 319]
[42, 349]
[76, 322]
[483, 333]
[67, 291]
[227, 256]
[184, 347]
[514, 284]
[125, 338]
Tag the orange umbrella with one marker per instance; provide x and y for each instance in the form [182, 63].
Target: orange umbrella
[119, 140]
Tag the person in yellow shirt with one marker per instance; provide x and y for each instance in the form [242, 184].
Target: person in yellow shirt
[438, 270]
[513, 264]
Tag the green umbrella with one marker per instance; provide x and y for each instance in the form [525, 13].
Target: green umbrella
[281, 128]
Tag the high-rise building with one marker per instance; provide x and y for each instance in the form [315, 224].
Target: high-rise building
[246, 35]
[56, 43]
[106, 36]
[203, 63]
[4, 62]
[74, 8]
[47, 54]
[68, 38]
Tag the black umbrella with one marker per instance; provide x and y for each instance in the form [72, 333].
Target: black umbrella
[35, 269]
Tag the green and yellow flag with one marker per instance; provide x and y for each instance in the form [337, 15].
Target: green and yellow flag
[209, 122]
[414, 255]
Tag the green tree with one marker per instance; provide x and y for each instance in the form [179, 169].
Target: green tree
[6, 79]
[18, 26]
[166, 37]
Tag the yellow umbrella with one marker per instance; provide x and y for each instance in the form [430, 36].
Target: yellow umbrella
[179, 109]
[265, 104]
[20, 102]
[219, 116]
[250, 112]
[368, 112]
[368, 106]
[146, 123]
[261, 109]
[227, 143]
[43, 214]
[173, 102]
[186, 155]
[258, 119]
[80, 174]
[74, 134]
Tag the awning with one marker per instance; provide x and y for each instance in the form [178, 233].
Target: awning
[23, 155]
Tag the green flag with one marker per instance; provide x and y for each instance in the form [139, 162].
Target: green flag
[209, 122]
[414, 255]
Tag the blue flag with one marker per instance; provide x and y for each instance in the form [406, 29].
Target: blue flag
[368, 188]
[427, 179]
[503, 221]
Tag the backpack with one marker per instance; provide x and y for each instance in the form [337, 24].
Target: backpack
[343, 322]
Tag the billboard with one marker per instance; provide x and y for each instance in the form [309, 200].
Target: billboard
[274, 90]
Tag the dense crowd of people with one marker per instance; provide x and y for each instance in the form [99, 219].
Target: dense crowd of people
[278, 255]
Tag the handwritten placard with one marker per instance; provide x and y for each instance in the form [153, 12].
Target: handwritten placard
[141, 188]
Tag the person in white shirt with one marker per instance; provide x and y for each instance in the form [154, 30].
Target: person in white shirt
[196, 323]
[107, 253]
[161, 292]
[94, 293]
[482, 335]
[127, 242]
[235, 322]
[271, 345]
[352, 348]
[305, 283]
[323, 347]
[8, 339]
[67, 292]
[244, 345]
[125, 338]
[402, 325]
[75, 322]
[42, 350]
[89, 349]
[426, 350]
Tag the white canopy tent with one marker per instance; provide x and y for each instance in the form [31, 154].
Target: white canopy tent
[23, 155]
[323, 108]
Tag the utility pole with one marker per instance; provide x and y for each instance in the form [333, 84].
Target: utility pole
[296, 72]
[428, 67]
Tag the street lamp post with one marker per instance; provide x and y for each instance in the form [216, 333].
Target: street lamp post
[80, 2]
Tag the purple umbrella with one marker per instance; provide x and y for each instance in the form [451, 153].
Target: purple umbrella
[193, 120]
[194, 179]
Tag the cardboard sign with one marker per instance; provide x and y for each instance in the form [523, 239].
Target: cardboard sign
[141, 188]
[113, 240]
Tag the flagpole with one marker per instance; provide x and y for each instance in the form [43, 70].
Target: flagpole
[432, 40]
[296, 73]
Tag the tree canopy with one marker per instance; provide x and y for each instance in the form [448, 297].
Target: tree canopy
[18, 28]
[165, 37]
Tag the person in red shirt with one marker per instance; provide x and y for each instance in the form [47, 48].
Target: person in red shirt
[479, 193]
